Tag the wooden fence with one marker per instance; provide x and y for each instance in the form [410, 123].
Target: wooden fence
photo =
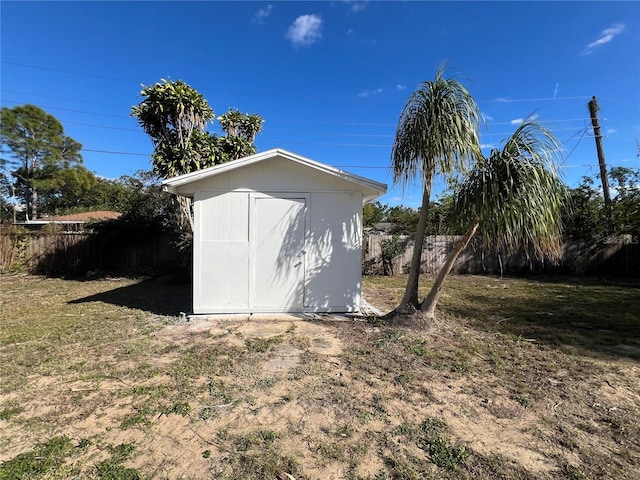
[613, 255]
[79, 254]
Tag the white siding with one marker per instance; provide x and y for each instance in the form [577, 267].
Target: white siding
[226, 219]
[221, 252]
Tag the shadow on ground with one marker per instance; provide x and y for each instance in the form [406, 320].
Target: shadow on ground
[160, 296]
[592, 314]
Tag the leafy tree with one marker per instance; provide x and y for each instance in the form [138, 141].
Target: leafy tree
[175, 117]
[437, 134]
[389, 250]
[66, 190]
[585, 216]
[404, 219]
[442, 220]
[37, 144]
[145, 205]
[512, 199]
[241, 125]
[625, 182]
[6, 207]
[373, 213]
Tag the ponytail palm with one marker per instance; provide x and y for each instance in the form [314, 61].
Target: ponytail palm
[437, 134]
[513, 199]
[175, 116]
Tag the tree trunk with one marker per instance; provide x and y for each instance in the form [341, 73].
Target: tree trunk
[27, 202]
[186, 212]
[34, 203]
[409, 303]
[428, 306]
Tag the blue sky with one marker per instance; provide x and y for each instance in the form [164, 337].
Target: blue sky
[329, 78]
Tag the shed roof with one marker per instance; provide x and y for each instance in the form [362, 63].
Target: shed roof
[370, 188]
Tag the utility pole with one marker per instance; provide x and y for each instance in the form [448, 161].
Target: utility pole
[593, 111]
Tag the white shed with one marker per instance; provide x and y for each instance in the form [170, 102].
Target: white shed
[276, 232]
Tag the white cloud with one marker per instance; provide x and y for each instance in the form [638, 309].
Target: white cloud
[488, 118]
[518, 121]
[486, 145]
[368, 93]
[400, 87]
[606, 36]
[355, 6]
[502, 100]
[305, 30]
[262, 14]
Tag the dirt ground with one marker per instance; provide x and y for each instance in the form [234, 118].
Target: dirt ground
[491, 423]
[330, 397]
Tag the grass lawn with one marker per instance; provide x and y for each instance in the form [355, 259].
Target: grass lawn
[520, 378]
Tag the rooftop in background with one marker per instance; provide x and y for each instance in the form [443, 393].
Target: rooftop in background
[72, 223]
[100, 215]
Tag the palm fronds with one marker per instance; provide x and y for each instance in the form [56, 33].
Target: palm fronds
[437, 131]
[516, 194]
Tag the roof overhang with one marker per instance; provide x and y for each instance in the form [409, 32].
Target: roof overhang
[370, 188]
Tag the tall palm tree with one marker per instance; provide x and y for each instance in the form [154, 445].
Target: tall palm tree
[514, 199]
[437, 134]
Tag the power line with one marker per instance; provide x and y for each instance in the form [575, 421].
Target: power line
[337, 166]
[67, 72]
[276, 120]
[584, 131]
[363, 145]
[114, 153]
[70, 110]
[233, 92]
[541, 99]
[286, 132]
[99, 126]
[620, 101]
[63, 98]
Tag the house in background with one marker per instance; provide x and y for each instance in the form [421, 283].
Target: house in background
[276, 232]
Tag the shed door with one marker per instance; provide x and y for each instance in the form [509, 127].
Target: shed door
[279, 262]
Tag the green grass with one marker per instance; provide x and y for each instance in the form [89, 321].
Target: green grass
[35, 463]
[546, 362]
[263, 344]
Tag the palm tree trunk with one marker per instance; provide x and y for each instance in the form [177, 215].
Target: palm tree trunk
[428, 306]
[410, 299]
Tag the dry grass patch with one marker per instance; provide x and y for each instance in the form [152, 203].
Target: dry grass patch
[520, 378]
